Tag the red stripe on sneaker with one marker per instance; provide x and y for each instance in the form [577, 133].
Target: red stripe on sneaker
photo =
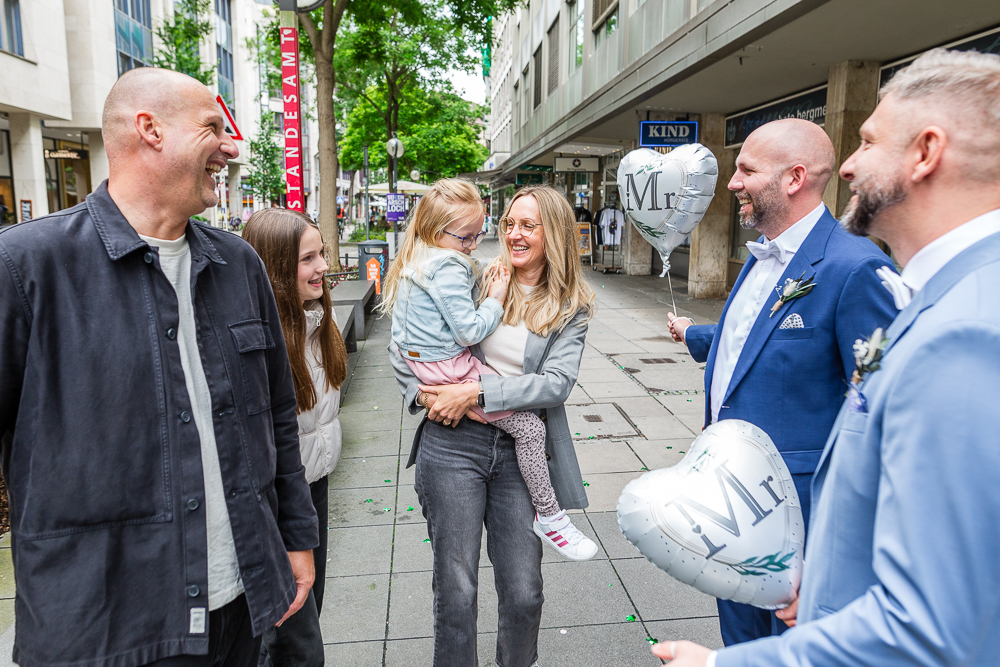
[558, 539]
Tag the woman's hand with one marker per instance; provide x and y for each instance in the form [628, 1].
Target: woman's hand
[450, 402]
[430, 399]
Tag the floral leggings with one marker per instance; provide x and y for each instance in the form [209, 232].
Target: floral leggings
[528, 432]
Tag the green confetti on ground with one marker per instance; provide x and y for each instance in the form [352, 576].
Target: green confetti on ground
[680, 452]
[643, 468]
[388, 481]
[610, 585]
[576, 434]
[426, 540]
[386, 509]
[369, 500]
[669, 447]
[630, 618]
[586, 483]
[689, 400]
[591, 437]
[652, 640]
[409, 509]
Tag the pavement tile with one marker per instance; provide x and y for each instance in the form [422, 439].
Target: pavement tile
[665, 426]
[704, 631]
[583, 593]
[578, 396]
[614, 390]
[372, 471]
[600, 420]
[355, 654]
[690, 410]
[362, 444]
[655, 455]
[410, 552]
[354, 608]
[375, 542]
[406, 498]
[348, 507]
[600, 456]
[604, 490]
[613, 542]
[658, 596]
[590, 645]
[369, 421]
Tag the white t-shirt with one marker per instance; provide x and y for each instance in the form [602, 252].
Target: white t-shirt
[224, 582]
[504, 348]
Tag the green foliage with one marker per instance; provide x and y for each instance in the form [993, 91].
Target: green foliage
[180, 40]
[266, 169]
[359, 234]
[437, 128]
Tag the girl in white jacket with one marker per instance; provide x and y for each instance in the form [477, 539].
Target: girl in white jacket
[291, 247]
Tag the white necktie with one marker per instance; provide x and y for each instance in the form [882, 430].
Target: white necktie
[764, 250]
[901, 293]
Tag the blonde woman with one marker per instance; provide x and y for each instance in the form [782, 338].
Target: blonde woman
[467, 473]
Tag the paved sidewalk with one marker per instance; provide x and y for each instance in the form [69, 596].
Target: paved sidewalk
[638, 405]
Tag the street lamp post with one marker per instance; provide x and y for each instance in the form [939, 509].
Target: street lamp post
[395, 149]
[368, 204]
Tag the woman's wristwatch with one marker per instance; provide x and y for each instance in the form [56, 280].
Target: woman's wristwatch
[481, 399]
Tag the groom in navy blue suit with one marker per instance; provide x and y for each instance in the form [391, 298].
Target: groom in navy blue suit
[782, 354]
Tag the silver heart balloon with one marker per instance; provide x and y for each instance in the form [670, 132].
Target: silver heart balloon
[726, 519]
[666, 195]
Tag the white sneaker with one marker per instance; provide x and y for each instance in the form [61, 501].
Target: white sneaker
[565, 538]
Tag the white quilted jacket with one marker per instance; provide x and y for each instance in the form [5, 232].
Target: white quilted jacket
[319, 428]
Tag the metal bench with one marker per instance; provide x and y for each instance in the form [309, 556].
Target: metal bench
[360, 295]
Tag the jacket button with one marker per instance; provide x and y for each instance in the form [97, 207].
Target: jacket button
[171, 333]
[193, 591]
[148, 257]
[192, 504]
[185, 417]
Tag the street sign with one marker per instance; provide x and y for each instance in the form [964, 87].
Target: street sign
[373, 271]
[227, 118]
[394, 205]
[292, 116]
[668, 132]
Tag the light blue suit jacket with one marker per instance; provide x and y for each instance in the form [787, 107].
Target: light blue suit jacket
[904, 560]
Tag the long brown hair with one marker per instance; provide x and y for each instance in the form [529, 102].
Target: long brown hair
[562, 291]
[276, 234]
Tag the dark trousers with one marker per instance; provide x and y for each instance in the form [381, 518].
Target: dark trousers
[742, 623]
[299, 642]
[230, 640]
[468, 477]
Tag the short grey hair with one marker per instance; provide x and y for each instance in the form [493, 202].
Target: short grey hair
[965, 85]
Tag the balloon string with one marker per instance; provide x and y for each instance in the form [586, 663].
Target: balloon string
[670, 283]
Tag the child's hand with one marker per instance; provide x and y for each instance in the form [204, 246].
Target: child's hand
[500, 279]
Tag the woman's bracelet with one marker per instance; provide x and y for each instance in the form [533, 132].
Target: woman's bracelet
[422, 399]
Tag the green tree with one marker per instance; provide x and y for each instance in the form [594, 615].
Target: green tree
[180, 39]
[266, 171]
[438, 128]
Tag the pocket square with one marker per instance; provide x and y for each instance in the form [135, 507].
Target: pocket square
[793, 321]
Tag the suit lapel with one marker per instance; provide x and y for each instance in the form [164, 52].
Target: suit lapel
[810, 252]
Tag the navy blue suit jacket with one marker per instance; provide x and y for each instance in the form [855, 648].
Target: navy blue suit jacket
[791, 382]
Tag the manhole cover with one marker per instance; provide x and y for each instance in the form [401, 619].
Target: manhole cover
[598, 420]
[659, 361]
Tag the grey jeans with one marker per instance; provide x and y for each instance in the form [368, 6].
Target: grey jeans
[468, 477]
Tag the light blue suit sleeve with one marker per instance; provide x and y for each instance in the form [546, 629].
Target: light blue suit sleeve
[936, 544]
[698, 338]
[450, 290]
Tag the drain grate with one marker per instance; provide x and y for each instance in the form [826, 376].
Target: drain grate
[660, 360]
[593, 418]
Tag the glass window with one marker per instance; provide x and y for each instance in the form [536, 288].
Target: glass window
[10, 27]
[577, 26]
[133, 34]
[607, 28]
[224, 51]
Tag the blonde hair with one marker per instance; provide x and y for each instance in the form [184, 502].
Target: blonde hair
[562, 292]
[448, 201]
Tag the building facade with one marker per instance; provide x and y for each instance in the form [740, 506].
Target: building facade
[60, 59]
[583, 79]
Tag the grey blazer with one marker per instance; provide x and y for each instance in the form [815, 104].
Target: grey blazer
[551, 365]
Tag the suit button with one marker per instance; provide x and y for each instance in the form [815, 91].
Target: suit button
[192, 504]
[185, 417]
[148, 257]
[171, 333]
[193, 591]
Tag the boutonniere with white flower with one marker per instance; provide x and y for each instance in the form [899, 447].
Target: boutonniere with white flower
[793, 288]
[868, 355]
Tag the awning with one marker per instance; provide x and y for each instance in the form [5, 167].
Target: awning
[406, 187]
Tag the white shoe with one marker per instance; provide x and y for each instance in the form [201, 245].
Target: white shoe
[565, 538]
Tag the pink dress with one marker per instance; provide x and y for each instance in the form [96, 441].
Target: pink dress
[457, 370]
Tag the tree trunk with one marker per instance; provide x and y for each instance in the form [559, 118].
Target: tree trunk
[329, 164]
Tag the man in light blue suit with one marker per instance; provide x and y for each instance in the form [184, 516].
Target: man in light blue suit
[784, 365]
[903, 567]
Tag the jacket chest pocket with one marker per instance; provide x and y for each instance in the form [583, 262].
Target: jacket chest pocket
[253, 339]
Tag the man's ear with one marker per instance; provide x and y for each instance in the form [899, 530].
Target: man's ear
[149, 129]
[930, 145]
[798, 174]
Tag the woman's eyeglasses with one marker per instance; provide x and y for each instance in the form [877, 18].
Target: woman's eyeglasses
[467, 241]
[507, 226]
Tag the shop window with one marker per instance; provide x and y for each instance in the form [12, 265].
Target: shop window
[133, 34]
[10, 27]
[224, 51]
[577, 25]
[607, 28]
[536, 65]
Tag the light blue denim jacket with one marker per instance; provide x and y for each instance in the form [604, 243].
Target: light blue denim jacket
[434, 317]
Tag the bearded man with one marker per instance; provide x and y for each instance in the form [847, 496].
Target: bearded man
[782, 353]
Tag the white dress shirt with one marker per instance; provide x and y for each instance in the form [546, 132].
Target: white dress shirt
[932, 257]
[750, 298]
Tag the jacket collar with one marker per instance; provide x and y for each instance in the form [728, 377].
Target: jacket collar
[120, 238]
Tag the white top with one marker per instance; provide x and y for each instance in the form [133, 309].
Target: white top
[749, 300]
[224, 583]
[504, 348]
[319, 428]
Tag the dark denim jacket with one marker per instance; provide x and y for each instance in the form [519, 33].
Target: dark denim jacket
[101, 455]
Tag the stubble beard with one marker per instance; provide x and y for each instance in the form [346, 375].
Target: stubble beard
[765, 206]
[873, 195]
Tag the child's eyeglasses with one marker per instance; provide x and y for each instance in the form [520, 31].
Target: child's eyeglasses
[467, 241]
